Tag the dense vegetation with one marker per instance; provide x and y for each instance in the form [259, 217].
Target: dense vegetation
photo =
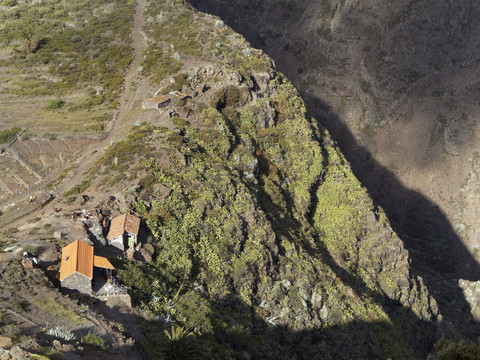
[178, 35]
[265, 246]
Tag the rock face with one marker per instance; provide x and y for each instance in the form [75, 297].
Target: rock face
[5, 342]
[471, 290]
[395, 83]
[265, 231]
[15, 353]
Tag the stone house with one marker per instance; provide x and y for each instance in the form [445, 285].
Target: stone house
[156, 102]
[178, 96]
[76, 267]
[123, 231]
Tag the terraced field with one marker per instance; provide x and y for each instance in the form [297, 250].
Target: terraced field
[26, 163]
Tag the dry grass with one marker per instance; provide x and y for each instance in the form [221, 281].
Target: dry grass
[58, 309]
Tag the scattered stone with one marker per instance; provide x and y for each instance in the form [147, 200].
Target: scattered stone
[4, 355]
[27, 263]
[18, 353]
[68, 348]
[129, 254]
[57, 345]
[5, 342]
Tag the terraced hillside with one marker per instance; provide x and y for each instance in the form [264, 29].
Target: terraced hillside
[62, 65]
[26, 164]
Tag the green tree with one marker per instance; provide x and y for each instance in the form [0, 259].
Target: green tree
[446, 349]
[27, 34]
[179, 344]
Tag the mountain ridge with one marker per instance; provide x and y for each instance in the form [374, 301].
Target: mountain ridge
[261, 240]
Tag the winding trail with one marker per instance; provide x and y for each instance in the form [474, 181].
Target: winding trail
[139, 44]
[121, 120]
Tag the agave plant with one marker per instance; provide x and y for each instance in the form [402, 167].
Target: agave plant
[60, 332]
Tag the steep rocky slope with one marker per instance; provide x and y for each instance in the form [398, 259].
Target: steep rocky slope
[262, 241]
[265, 243]
[397, 80]
[396, 84]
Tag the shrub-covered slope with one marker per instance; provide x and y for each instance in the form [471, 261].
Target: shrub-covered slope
[62, 63]
[265, 245]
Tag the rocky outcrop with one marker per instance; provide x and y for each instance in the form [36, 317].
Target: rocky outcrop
[471, 290]
[266, 218]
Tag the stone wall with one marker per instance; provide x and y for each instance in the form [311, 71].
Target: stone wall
[118, 242]
[78, 282]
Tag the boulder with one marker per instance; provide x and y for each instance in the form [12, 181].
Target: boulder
[5, 342]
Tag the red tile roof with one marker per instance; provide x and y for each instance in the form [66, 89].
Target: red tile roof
[100, 261]
[77, 257]
[122, 223]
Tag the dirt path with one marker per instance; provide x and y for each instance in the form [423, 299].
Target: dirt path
[121, 121]
[139, 44]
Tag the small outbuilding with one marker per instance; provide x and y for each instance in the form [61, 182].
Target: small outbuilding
[123, 231]
[177, 95]
[156, 102]
[76, 267]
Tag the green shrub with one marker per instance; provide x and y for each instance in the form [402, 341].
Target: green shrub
[180, 80]
[78, 188]
[94, 340]
[55, 104]
[31, 250]
[230, 96]
[48, 353]
[11, 331]
[8, 134]
[147, 182]
[39, 357]
[179, 343]
[195, 312]
[9, 2]
[69, 200]
[446, 349]
[61, 333]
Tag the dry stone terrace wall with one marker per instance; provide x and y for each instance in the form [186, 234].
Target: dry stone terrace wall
[25, 163]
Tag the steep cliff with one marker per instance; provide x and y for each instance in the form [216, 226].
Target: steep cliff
[395, 83]
[262, 242]
[265, 244]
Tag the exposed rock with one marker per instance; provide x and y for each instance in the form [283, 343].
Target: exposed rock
[18, 353]
[57, 345]
[5, 342]
[68, 348]
[471, 290]
[4, 355]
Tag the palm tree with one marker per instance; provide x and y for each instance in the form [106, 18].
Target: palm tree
[179, 344]
[27, 34]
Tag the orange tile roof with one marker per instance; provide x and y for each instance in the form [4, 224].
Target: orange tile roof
[100, 261]
[122, 223]
[77, 257]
